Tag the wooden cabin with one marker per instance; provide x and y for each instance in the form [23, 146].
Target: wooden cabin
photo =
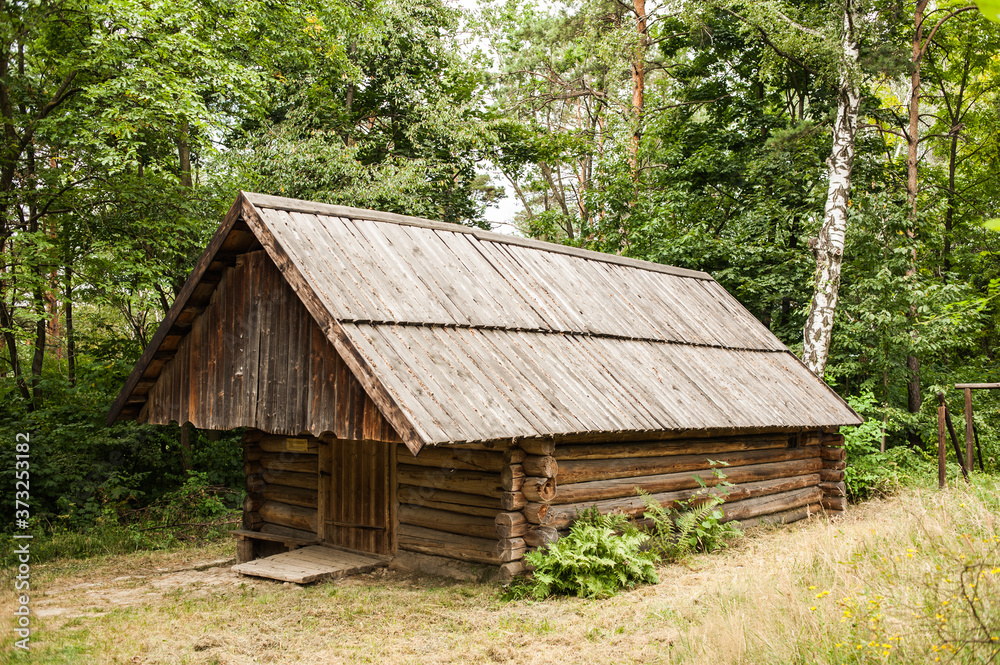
[426, 390]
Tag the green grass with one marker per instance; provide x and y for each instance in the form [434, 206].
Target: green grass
[779, 596]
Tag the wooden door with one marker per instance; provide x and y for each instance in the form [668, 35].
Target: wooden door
[359, 496]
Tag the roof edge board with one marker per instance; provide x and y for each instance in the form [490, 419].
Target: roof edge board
[833, 392]
[180, 302]
[298, 205]
[411, 436]
[646, 435]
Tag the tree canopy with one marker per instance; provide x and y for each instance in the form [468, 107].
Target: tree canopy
[698, 134]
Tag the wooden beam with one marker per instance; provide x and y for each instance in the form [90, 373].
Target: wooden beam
[977, 386]
[441, 543]
[941, 448]
[579, 471]
[323, 487]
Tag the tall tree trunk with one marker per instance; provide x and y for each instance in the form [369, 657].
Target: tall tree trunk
[53, 314]
[829, 246]
[7, 323]
[638, 85]
[949, 215]
[913, 131]
[955, 117]
[38, 293]
[184, 152]
[70, 332]
[38, 358]
[885, 407]
[913, 397]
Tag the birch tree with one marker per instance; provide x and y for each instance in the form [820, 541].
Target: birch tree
[829, 245]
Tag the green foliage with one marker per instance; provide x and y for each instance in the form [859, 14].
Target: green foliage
[601, 555]
[195, 501]
[694, 525]
[393, 122]
[990, 9]
[881, 474]
[871, 473]
[83, 470]
[195, 513]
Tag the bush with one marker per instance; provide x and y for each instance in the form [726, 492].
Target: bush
[877, 474]
[195, 513]
[601, 555]
[80, 467]
[871, 473]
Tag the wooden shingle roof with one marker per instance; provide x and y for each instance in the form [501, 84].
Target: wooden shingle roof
[465, 335]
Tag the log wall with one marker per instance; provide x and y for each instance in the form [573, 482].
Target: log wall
[490, 505]
[774, 477]
[461, 503]
[282, 497]
[256, 358]
[834, 456]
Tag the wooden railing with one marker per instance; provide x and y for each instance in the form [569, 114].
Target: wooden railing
[971, 437]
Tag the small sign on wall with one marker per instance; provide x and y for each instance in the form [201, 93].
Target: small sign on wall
[297, 445]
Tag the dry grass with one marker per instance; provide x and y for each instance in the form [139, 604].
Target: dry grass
[819, 592]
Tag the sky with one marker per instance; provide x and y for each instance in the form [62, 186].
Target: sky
[501, 215]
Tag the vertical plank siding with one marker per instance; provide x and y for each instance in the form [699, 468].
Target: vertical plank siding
[358, 510]
[255, 358]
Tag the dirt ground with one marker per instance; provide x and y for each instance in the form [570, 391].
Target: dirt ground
[820, 591]
[87, 596]
[118, 611]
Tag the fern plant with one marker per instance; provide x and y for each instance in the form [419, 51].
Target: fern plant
[690, 526]
[601, 555]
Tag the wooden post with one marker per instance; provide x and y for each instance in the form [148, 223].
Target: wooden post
[979, 448]
[959, 456]
[969, 434]
[323, 469]
[941, 448]
[970, 426]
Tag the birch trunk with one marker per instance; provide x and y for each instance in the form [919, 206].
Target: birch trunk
[829, 247]
[913, 396]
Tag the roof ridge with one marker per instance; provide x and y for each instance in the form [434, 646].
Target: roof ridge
[311, 207]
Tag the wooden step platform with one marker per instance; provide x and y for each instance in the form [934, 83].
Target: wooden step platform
[310, 564]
